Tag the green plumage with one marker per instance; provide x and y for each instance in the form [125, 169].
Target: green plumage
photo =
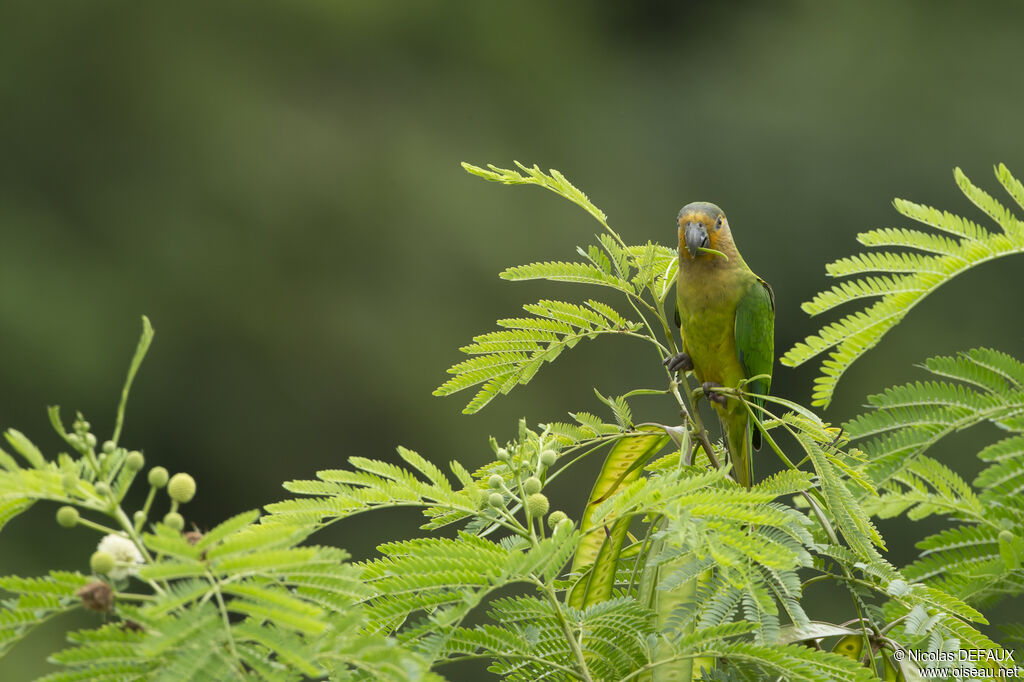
[726, 315]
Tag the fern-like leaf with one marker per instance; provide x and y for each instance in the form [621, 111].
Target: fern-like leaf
[962, 246]
[504, 359]
[36, 600]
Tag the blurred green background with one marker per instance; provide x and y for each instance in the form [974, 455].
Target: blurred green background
[277, 185]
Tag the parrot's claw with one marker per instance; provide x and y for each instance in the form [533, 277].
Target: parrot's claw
[711, 394]
[681, 362]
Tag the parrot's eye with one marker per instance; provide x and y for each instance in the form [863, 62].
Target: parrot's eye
[718, 223]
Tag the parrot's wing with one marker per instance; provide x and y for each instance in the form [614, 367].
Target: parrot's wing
[755, 338]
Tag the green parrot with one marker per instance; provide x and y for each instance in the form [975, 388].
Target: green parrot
[726, 315]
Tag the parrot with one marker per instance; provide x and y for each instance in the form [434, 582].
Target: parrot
[726, 317]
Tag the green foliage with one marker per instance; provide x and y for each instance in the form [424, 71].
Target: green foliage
[36, 600]
[504, 359]
[510, 357]
[978, 559]
[673, 572]
[907, 276]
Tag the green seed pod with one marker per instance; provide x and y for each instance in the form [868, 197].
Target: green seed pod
[496, 481]
[531, 485]
[537, 505]
[175, 520]
[496, 500]
[109, 446]
[158, 477]
[102, 489]
[548, 457]
[556, 518]
[102, 563]
[850, 646]
[67, 516]
[139, 518]
[181, 488]
[502, 454]
[135, 461]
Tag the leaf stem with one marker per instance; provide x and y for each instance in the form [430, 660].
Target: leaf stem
[140, 353]
[690, 412]
[574, 644]
[222, 607]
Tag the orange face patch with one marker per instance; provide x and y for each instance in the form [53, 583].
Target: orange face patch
[713, 225]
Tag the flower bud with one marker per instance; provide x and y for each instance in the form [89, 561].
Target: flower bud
[537, 505]
[496, 481]
[109, 446]
[181, 488]
[175, 521]
[158, 477]
[102, 489]
[135, 461]
[548, 457]
[531, 485]
[139, 518]
[90, 440]
[102, 562]
[67, 516]
[502, 454]
[556, 518]
[69, 481]
[496, 500]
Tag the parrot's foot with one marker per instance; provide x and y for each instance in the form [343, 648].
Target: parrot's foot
[679, 363]
[712, 395]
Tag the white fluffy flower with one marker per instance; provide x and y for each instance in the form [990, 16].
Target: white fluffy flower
[124, 552]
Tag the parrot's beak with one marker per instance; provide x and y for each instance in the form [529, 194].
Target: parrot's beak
[695, 236]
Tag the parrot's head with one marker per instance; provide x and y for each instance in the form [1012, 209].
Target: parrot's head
[703, 225]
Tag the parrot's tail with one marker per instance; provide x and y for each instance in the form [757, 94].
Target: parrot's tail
[740, 437]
